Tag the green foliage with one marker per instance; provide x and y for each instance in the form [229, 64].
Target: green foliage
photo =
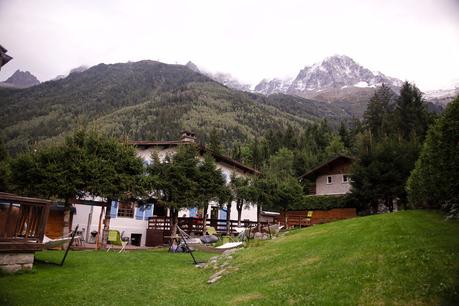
[277, 188]
[336, 146]
[211, 183]
[434, 182]
[146, 100]
[87, 162]
[324, 202]
[173, 181]
[380, 173]
[3, 166]
[215, 142]
[410, 114]
[377, 117]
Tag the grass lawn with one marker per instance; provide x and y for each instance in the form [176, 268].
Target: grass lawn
[405, 258]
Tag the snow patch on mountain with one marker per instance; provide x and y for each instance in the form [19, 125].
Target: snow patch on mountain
[334, 72]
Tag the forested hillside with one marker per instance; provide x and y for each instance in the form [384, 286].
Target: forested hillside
[147, 100]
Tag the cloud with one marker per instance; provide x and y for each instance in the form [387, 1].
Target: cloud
[416, 40]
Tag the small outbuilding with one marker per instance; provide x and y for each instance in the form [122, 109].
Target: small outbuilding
[22, 227]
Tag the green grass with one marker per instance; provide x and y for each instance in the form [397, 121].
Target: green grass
[406, 258]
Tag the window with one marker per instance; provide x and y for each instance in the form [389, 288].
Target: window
[346, 178]
[329, 180]
[144, 212]
[126, 210]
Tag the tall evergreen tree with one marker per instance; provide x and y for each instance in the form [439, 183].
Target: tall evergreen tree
[211, 186]
[435, 180]
[174, 182]
[376, 117]
[215, 142]
[380, 174]
[410, 115]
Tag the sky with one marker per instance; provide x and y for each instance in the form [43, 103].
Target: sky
[414, 40]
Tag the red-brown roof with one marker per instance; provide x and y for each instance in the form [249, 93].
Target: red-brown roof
[325, 164]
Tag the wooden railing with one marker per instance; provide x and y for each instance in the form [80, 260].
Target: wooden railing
[195, 225]
[22, 221]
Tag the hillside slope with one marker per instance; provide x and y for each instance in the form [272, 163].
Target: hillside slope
[143, 100]
[405, 258]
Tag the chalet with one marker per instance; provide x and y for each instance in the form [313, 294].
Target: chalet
[133, 220]
[331, 177]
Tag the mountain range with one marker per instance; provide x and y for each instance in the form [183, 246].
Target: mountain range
[148, 100]
[336, 79]
[20, 79]
[152, 100]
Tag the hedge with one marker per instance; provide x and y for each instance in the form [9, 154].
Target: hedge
[324, 202]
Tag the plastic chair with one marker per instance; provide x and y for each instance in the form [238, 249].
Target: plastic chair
[115, 238]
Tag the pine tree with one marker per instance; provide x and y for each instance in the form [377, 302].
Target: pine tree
[215, 144]
[435, 180]
[410, 115]
[377, 114]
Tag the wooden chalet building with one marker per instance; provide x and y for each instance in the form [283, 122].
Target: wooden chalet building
[331, 178]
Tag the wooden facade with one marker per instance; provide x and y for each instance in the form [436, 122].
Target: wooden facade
[299, 218]
[55, 224]
[22, 222]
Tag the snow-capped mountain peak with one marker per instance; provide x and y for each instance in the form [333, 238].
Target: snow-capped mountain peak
[333, 72]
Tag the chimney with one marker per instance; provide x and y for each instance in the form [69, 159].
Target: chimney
[187, 136]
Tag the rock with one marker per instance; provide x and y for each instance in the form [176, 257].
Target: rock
[201, 265]
[213, 279]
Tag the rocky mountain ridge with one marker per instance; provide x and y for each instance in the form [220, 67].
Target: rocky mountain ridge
[21, 79]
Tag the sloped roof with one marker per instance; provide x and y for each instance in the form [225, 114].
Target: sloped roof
[325, 164]
[202, 149]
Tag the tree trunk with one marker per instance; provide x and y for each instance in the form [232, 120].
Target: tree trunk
[285, 219]
[258, 217]
[390, 204]
[239, 206]
[228, 218]
[99, 228]
[204, 219]
[106, 223]
[66, 225]
[174, 221]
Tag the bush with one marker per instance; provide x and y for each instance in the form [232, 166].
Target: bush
[324, 202]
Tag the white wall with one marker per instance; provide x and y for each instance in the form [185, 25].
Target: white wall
[336, 187]
[128, 225]
[131, 225]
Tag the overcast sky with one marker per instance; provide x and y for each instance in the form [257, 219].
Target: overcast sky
[415, 40]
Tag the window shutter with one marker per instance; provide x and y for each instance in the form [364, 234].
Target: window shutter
[139, 212]
[222, 214]
[114, 209]
[148, 211]
[193, 212]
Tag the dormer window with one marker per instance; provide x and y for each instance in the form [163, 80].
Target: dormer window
[329, 180]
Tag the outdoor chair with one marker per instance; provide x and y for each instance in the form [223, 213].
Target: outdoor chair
[211, 231]
[115, 238]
